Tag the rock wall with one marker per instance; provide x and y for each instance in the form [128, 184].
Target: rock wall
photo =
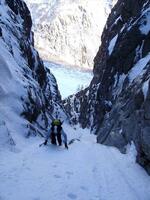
[116, 104]
[28, 91]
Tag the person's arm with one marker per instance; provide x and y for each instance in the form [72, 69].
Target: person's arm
[64, 138]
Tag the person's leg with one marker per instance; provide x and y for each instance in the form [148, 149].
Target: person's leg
[53, 139]
[59, 139]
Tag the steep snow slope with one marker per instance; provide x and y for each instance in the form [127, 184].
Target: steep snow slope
[28, 91]
[87, 171]
[69, 31]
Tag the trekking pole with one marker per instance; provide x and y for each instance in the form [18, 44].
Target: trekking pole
[44, 143]
[41, 144]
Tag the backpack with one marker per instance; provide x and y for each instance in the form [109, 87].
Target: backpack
[56, 126]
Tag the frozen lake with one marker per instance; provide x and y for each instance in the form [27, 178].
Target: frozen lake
[69, 79]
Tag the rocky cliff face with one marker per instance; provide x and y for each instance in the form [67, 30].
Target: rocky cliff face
[28, 91]
[116, 104]
[69, 30]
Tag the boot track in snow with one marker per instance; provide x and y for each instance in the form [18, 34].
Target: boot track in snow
[88, 171]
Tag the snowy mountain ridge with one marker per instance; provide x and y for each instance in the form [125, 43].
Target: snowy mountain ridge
[69, 31]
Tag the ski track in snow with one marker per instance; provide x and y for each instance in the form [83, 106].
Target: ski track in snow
[87, 171]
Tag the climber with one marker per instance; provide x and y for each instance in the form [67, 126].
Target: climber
[57, 134]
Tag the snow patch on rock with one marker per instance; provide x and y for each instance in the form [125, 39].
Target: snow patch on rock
[138, 68]
[145, 88]
[145, 24]
[112, 44]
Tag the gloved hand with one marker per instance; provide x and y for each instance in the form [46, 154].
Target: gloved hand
[45, 143]
[66, 146]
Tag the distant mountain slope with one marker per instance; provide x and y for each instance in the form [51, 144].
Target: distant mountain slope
[69, 31]
[28, 91]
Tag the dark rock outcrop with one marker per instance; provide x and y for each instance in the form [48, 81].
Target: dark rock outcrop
[117, 105]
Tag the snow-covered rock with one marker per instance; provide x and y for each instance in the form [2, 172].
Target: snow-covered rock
[121, 76]
[69, 30]
[28, 91]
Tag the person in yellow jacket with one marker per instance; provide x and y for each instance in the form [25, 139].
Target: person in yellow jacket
[56, 134]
